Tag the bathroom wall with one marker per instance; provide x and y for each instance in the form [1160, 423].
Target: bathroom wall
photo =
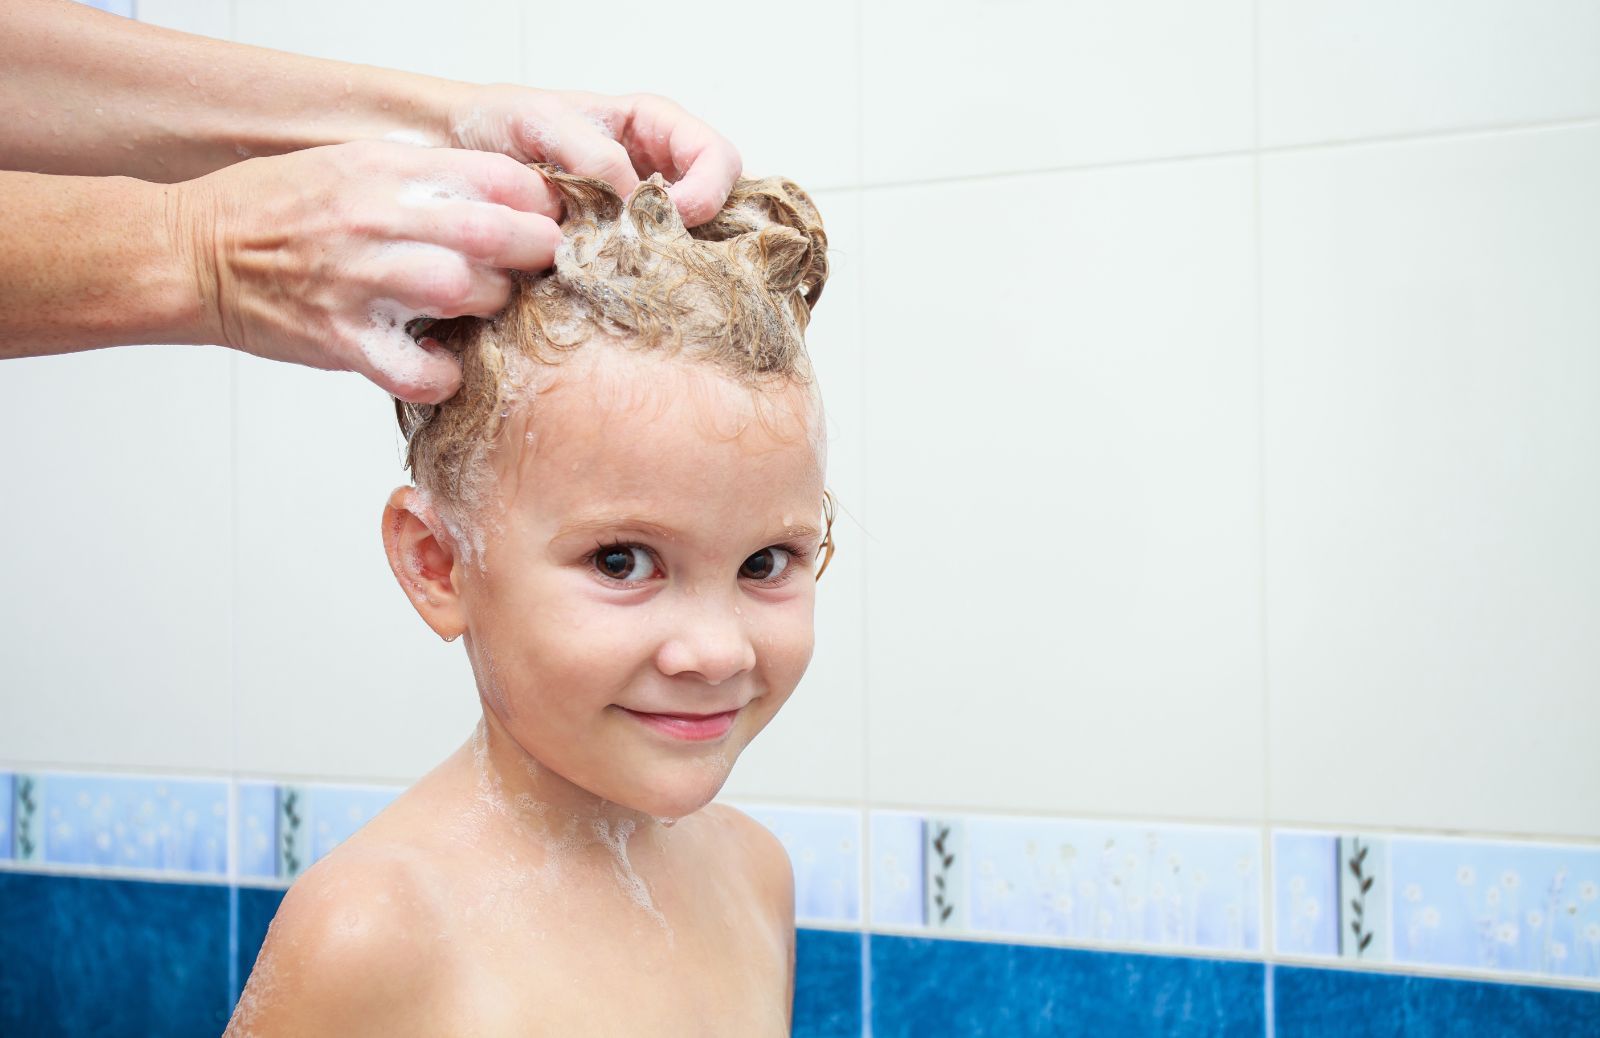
[1214, 408]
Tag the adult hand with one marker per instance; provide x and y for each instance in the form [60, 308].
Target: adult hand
[619, 139]
[322, 256]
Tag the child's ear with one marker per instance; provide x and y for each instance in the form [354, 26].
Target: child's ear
[423, 563]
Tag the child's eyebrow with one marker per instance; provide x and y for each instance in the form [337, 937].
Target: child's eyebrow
[619, 521]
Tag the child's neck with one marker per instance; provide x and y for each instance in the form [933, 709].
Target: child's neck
[542, 804]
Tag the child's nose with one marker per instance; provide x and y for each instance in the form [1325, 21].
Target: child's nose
[710, 641]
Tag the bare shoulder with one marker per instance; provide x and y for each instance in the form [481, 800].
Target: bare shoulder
[761, 854]
[348, 952]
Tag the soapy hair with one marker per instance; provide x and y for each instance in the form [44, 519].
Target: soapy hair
[736, 292]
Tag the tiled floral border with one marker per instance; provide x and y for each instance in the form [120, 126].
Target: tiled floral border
[1491, 907]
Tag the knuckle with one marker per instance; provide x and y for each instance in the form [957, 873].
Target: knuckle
[447, 285]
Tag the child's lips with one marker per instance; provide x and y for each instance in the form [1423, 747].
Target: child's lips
[692, 727]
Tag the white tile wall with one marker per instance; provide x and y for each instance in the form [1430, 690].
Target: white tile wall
[115, 518]
[781, 82]
[1433, 490]
[1051, 417]
[1346, 69]
[338, 677]
[476, 42]
[1063, 579]
[965, 89]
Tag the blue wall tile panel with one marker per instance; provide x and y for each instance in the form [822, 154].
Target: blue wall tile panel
[111, 957]
[827, 984]
[1176, 886]
[1514, 907]
[1327, 1003]
[7, 795]
[824, 846]
[924, 986]
[168, 824]
[258, 834]
[1305, 871]
[897, 869]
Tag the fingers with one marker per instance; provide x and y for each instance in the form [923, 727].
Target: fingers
[579, 146]
[445, 174]
[420, 374]
[705, 164]
[439, 282]
[489, 234]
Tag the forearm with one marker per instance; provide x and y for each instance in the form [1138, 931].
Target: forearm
[98, 261]
[92, 94]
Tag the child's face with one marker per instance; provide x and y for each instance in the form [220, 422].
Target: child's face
[656, 557]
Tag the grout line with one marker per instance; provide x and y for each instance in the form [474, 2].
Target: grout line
[1459, 133]
[1266, 890]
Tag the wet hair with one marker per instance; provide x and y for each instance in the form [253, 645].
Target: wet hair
[736, 292]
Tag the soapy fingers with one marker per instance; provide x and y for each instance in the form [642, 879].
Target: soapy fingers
[323, 257]
[620, 139]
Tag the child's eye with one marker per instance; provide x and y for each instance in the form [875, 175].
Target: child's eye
[626, 562]
[766, 564]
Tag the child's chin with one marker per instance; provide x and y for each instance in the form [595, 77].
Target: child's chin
[674, 795]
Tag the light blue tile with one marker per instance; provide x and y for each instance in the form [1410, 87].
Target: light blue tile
[1497, 905]
[333, 813]
[164, 824]
[258, 816]
[824, 846]
[897, 869]
[7, 796]
[1305, 873]
[1170, 886]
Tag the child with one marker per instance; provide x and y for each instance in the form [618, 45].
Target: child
[622, 512]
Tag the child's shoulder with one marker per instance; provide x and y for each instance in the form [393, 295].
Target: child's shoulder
[756, 849]
[354, 942]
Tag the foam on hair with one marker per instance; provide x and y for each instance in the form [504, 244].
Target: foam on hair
[736, 292]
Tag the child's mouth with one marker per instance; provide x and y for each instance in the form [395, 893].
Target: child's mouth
[693, 727]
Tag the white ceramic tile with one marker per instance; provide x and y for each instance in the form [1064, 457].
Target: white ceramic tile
[1342, 69]
[116, 511]
[781, 83]
[1062, 519]
[1432, 348]
[202, 17]
[960, 89]
[824, 846]
[477, 42]
[812, 750]
[337, 675]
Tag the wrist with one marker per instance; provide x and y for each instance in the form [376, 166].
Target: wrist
[189, 271]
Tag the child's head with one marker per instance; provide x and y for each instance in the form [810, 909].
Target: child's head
[622, 509]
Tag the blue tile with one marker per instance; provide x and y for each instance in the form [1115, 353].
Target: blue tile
[1305, 871]
[897, 869]
[166, 824]
[827, 984]
[256, 907]
[7, 797]
[926, 986]
[83, 956]
[1497, 905]
[1178, 886]
[257, 828]
[1325, 1003]
[824, 846]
